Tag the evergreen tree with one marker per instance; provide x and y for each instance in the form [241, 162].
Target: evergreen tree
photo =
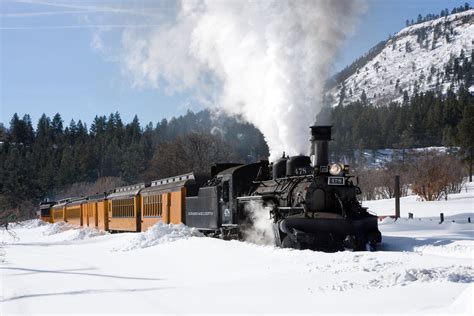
[57, 126]
[466, 135]
[67, 171]
[43, 130]
[420, 19]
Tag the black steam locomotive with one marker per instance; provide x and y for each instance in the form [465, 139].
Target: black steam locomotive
[313, 205]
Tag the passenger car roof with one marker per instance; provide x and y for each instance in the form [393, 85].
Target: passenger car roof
[127, 191]
[167, 184]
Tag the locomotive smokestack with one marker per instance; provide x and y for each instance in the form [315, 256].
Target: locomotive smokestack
[320, 136]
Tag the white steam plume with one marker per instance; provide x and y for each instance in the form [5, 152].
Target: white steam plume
[266, 61]
[261, 231]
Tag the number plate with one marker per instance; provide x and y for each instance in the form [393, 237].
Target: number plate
[336, 180]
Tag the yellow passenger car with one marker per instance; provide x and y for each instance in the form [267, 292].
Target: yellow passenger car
[165, 200]
[58, 211]
[73, 211]
[89, 212]
[124, 208]
[103, 214]
[95, 212]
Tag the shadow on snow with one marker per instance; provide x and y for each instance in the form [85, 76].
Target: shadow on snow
[74, 272]
[79, 292]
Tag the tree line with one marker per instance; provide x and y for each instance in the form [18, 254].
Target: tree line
[51, 159]
[444, 13]
[425, 119]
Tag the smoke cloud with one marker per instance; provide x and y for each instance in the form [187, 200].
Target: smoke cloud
[261, 231]
[265, 61]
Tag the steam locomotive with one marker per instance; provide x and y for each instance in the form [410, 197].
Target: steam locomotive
[308, 203]
[313, 205]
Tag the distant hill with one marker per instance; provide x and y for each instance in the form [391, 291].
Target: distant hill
[428, 56]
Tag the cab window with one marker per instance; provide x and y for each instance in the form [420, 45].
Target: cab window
[225, 191]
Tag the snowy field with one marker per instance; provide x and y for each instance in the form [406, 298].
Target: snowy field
[422, 267]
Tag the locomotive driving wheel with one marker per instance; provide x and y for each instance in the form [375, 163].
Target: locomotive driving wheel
[288, 242]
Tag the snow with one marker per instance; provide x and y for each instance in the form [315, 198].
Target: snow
[424, 64]
[421, 267]
[378, 158]
[160, 233]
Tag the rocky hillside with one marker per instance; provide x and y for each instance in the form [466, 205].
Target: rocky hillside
[432, 56]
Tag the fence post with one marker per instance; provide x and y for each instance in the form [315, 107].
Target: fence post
[441, 217]
[470, 164]
[397, 196]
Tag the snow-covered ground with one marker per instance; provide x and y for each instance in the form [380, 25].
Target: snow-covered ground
[457, 208]
[422, 267]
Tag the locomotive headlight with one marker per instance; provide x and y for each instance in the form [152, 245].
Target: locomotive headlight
[335, 169]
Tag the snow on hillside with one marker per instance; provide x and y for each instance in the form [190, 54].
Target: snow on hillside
[378, 158]
[421, 267]
[408, 62]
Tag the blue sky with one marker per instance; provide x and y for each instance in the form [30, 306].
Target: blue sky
[50, 61]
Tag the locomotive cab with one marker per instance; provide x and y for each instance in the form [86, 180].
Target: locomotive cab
[215, 209]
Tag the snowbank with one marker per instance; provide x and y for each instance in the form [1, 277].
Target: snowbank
[85, 233]
[68, 232]
[453, 250]
[31, 223]
[160, 233]
[58, 228]
[455, 274]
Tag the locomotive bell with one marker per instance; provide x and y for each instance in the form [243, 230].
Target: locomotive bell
[320, 136]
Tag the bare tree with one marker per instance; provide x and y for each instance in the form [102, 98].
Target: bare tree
[369, 182]
[193, 152]
[8, 215]
[435, 175]
[387, 179]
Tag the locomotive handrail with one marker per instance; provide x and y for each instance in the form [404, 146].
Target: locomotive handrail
[253, 197]
[289, 209]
